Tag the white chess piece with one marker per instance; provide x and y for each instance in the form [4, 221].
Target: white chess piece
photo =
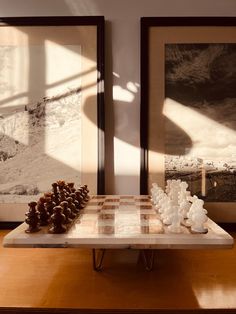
[153, 190]
[176, 219]
[184, 208]
[165, 207]
[157, 195]
[170, 209]
[162, 203]
[199, 217]
[193, 199]
[158, 200]
[183, 193]
[167, 189]
[174, 191]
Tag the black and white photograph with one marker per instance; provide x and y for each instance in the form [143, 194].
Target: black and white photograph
[51, 105]
[200, 119]
[40, 126]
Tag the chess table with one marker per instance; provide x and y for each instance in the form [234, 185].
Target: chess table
[121, 222]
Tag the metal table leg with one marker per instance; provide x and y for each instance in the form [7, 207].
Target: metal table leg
[98, 259]
[148, 259]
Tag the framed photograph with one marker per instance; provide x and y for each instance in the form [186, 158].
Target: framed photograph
[188, 101]
[51, 107]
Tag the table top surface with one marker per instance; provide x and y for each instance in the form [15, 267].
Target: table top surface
[120, 221]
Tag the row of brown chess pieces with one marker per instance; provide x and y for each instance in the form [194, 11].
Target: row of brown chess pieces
[58, 208]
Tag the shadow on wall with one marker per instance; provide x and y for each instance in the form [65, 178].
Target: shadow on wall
[181, 89]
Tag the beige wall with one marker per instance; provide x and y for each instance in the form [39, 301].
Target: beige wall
[122, 67]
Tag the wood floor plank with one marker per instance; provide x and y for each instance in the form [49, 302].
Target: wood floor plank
[64, 279]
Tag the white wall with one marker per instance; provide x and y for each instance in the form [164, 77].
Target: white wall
[122, 67]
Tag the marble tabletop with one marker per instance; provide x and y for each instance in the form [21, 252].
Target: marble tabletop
[120, 221]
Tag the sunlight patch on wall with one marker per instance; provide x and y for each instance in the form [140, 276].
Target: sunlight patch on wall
[63, 104]
[61, 74]
[129, 163]
[14, 64]
[210, 139]
[122, 94]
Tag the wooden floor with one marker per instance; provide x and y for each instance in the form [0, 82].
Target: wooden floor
[36, 280]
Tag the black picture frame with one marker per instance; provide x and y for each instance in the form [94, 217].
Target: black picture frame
[96, 25]
[169, 24]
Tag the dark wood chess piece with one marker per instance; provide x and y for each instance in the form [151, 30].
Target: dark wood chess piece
[72, 207]
[82, 194]
[66, 212]
[58, 220]
[85, 193]
[54, 188]
[61, 184]
[71, 185]
[62, 196]
[49, 205]
[79, 198]
[74, 200]
[48, 195]
[43, 212]
[33, 218]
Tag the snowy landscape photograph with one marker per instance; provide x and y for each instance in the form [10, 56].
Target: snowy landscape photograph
[200, 118]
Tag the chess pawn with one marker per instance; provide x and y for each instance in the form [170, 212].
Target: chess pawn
[174, 191]
[40, 203]
[158, 201]
[42, 209]
[86, 199]
[61, 184]
[79, 198]
[165, 208]
[183, 192]
[58, 220]
[167, 189]
[167, 220]
[72, 207]
[82, 194]
[62, 196]
[56, 199]
[66, 212]
[199, 217]
[74, 200]
[71, 185]
[184, 208]
[67, 189]
[54, 188]
[49, 205]
[48, 195]
[156, 195]
[176, 219]
[194, 200]
[153, 189]
[33, 218]
[162, 203]
[86, 192]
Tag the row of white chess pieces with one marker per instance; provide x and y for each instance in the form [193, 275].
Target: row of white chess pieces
[177, 207]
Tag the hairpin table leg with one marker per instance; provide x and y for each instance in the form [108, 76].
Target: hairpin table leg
[148, 259]
[98, 259]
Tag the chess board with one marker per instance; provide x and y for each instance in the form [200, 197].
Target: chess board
[120, 221]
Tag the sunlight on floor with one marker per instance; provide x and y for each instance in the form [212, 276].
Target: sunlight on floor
[217, 296]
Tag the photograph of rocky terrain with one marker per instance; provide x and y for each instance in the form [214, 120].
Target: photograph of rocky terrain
[200, 118]
[40, 119]
[52, 152]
